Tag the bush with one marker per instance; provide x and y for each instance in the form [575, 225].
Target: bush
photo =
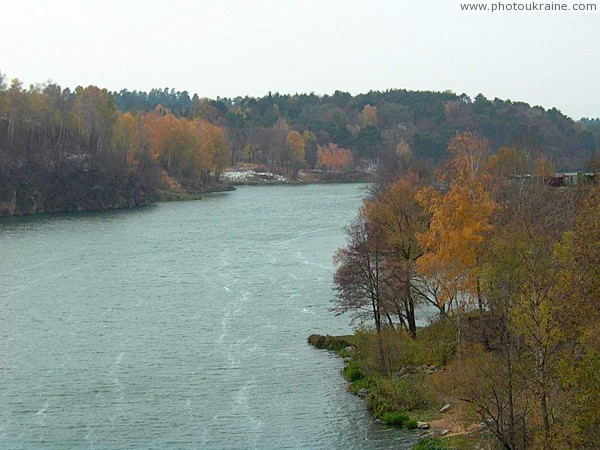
[406, 394]
[435, 345]
[394, 418]
[431, 444]
[411, 424]
[352, 372]
[363, 383]
[336, 343]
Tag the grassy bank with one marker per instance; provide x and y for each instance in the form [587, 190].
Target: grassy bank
[406, 393]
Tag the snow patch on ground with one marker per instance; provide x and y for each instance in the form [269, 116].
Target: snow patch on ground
[253, 176]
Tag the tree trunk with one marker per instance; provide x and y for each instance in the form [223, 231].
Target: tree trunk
[410, 308]
[380, 347]
[545, 415]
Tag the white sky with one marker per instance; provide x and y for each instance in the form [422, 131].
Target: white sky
[249, 47]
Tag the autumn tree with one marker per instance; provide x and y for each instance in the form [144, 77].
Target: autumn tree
[578, 320]
[509, 162]
[334, 158]
[460, 220]
[295, 143]
[397, 215]
[310, 148]
[249, 152]
[126, 138]
[279, 152]
[521, 280]
[368, 116]
[593, 163]
[543, 167]
[213, 150]
[506, 407]
[404, 152]
[95, 115]
[174, 142]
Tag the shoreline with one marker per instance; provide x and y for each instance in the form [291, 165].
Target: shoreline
[438, 426]
[175, 195]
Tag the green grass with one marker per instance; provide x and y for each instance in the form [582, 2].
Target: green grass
[352, 372]
[410, 424]
[432, 444]
[358, 385]
[448, 443]
[394, 418]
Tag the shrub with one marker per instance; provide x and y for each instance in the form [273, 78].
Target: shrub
[405, 394]
[394, 418]
[413, 393]
[435, 345]
[352, 372]
[411, 424]
[336, 343]
[363, 383]
[431, 444]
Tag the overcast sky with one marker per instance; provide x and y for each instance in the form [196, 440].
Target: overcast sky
[250, 47]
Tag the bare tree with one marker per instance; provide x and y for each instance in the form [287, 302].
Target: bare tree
[359, 279]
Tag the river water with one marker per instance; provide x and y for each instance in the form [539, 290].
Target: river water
[180, 325]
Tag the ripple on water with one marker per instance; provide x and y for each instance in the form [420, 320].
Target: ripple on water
[182, 325]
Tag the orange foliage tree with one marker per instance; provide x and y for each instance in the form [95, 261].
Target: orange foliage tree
[212, 149]
[188, 150]
[334, 158]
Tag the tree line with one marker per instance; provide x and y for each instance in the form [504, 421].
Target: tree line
[511, 265]
[94, 149]
[372, 125]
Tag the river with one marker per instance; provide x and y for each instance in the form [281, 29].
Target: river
[180, 325]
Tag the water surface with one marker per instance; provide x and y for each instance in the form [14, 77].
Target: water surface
[180, 325]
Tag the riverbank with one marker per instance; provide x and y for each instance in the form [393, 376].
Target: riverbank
[406, 394]
[192, 194]
[107, 203]
[100, 199]
[258, 174]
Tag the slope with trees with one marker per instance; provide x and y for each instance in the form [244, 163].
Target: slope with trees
[511, 265]
[64, 151]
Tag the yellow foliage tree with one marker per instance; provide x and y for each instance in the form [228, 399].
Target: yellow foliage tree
[189, 149]
[460, 220]
[508, 162]
[125, 137]
[295, 142]
[543, 167]
[368, 116]
[212, 150]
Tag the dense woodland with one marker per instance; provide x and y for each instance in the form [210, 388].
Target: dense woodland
[508, 269]
[94, 149]
[372, 125]
[63, 150]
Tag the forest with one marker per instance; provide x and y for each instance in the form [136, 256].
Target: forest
[86, 149]
[507, 269]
